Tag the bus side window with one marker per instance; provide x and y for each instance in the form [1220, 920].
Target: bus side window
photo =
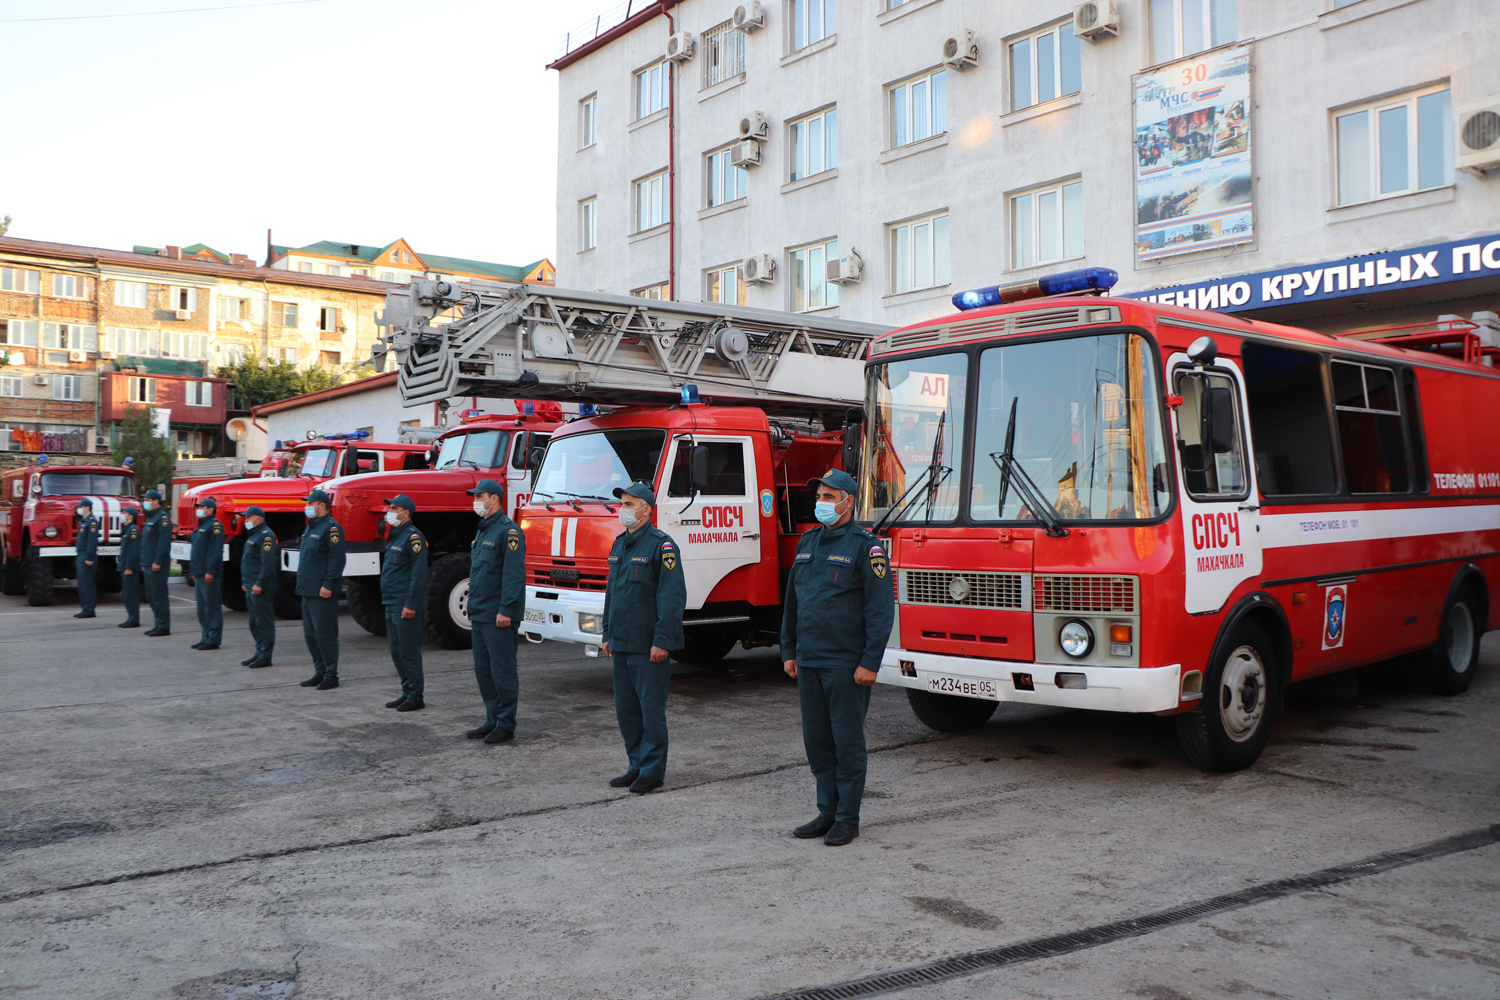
[1368, 411]
[1288, 401]
[1210, 472]
[1420, 482]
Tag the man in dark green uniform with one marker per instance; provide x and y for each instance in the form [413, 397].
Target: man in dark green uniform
[206, 572]
[320, 572]
[260, 562]
[87, 545]
[497, 600]
[129, 563]
[644, 598]
[403, 591]
[156, 562]
[838, 613]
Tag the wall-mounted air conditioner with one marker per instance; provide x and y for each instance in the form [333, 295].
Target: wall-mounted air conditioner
[755, 125]
[77, 357]
[1096, 19]
[184, 314]
[745, 153]
[108, 355]
[845, 270]
[750, 16]
[961, 51]
[680, 46]
[1478, 135]
[39, 380]
[759, 269]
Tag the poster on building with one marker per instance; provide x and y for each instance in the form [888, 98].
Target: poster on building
[1192, 154]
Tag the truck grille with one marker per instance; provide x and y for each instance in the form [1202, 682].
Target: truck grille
[962, 590]
[1110, 595]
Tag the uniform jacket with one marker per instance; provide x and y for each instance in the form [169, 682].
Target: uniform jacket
[207, 555]
[403, 572]
[839, 602]
[497, 569]
[88, 539]
[646, 592]
[260, 560]
[156, 540]
[130, 547]
[320, 559]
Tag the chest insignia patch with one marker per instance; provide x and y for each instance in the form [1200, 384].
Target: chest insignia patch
[669, 560]
[803, 557]
[640, 559]
[841, 560]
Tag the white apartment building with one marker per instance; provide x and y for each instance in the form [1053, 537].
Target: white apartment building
[1264, 157]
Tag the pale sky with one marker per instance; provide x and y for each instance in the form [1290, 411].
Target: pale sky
[350, 120]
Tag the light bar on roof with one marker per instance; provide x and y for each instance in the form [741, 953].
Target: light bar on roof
[1096, 280]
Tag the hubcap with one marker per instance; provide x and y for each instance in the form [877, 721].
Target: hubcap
[1460, 638]
[1242, 693]
[458, 604]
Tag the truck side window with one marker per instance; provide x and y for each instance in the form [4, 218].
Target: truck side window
[726, 470]
[414, 460]
[1290, 436]
[1210, 472]
[1368, 410]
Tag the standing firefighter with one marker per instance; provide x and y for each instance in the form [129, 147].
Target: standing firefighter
[129, 562]
[643, 603]
[403, 591]
[156, 562]
[320, 570]
[839, 610]
[206, 572]
[258, 575]
[88, 556]
[497, 598]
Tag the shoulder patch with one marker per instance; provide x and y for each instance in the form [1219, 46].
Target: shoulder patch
[266, 545]
[218, 528]
[877, 550]
[333, 536]
[667, 544]
[669, 560]
[416, 543]
[513, 540]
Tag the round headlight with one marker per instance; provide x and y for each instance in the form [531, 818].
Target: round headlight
[1076, 639]
[50, 531]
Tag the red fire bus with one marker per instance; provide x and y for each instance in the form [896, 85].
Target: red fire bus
[1107, 504]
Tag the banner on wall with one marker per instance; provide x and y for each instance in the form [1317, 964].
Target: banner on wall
[1192, 154]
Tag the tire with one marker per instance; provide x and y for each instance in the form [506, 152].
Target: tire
[363, 595]
[1450, 665]
[1241, 693]
[230, 594]
[38, 573]
[12, 578]
[950, 713]
[705, 646]
[287, 605]
[448, 602]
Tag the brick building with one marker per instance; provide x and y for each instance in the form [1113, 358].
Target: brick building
[397, 262]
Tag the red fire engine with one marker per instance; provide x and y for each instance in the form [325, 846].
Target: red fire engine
[1107, 504]
[38, 525]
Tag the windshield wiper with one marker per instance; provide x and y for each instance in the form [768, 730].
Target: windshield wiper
[540, 493]
[468, 461]
[592, 496]
[933, 474]
[1011, 468]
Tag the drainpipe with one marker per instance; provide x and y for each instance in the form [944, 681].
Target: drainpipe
[671, 162]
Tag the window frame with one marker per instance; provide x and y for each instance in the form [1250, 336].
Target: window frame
[29, 332]
[799, 146]
[1179, 41]
[714, 50]
[122, 287]
[939, 277]
[80, 283]
[203, 390]
[15, 381]
[588, 121]
[1179, 375]
[658, 91]
[1035, 194]
[799, 21]
[1411, 101]
[279, 311]
[717, 172]
[1031, 39]
[900, 97]
[29, 276]
[659, 292]
[643, 185]
[588, 223]
[74, 384]
[825, 248]
[713, 284]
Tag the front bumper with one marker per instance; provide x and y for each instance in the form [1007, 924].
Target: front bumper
[1110, 689]
[183, 551]
[555, 616]
[355, 563]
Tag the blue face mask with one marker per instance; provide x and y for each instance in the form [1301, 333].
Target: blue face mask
[826, 512]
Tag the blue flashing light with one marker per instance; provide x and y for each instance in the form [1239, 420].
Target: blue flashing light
[358, 434]
[690, 393]
[1083, 281]
[528, 408]
[41, 460]
[129, 461]
[587, 410]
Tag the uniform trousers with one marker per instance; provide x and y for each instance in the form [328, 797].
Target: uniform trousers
[320, 627]
[210, 608]
[88, 593]
[495, 670]
[641, 708]
[130, 595]
[261, 610]
[833, 733]
[404, 637]
[156, 594]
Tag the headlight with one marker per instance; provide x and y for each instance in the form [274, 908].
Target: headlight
[50, 531]
[1076, 639]
[592, 624]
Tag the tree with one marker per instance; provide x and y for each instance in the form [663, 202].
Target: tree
[153, 457]
[4, 225]
[258, 380]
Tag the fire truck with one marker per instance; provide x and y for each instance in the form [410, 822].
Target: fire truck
[38, 526]
[729, 465]
[311, 464]
[1100, 503]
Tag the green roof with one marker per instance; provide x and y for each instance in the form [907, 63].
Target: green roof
[196, 248]
[372, 252]
[163, 366]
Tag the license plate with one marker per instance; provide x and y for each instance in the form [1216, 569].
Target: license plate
[535, 617]
[181, 550]
[943, 684]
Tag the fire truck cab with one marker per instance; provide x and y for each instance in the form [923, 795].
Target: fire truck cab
[38, 526]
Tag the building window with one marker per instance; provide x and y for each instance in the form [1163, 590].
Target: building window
[234, 310]
[71, 286]
[588, 121]
[18, 332]
[650, 90]
[131, 294]
[329, 359]
[387, 276]
[289, 355]
[141, 390]
[17, 279]
[588, 224]
[234, 354]
[69, 387]
[406, 256]
[810, 287]
[328, 319]
[198, 393]
[185, 298]
[919, 253]
[919, 108]
[1047, 225]
[815, 143]
[1183, 27]
[726, 182]
[131, 342]
[334, 270]
[192, 346]
[812, 21]
[305, 267]
[10, 385]
[360, 272]
[284, 313]
[726, 285]
[1044, 66]
[723, 53]
[651, 202]
[70, 337]
[1396, 146]
[662, 291]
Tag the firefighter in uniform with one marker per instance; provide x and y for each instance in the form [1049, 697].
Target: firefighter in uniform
[129, 562]
[87, 545]
[403, 591]
[497, 598]
[320, 570]
[643, 603]
[838, 614]
[156, 562]
[260, 562]
[206, 572]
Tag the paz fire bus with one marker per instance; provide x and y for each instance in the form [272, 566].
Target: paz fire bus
[1107, 504]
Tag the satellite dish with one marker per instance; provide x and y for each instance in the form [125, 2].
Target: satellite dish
[238, 429]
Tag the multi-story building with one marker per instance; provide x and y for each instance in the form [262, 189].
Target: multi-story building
[397, 262]
[1319, 163]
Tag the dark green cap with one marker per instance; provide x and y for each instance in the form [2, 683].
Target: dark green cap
[402, 500]
[486, 486]
[639, 490]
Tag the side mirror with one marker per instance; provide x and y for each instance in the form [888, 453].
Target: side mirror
[854, 439]
[534, 458]
[698, 466]
[350, 463]
[1218, 432]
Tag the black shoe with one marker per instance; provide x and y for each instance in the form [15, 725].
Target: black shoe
[643, 785]
[160, 631]
[312, 681]
[411, 705]
[328, 683]
[209, 645]
[818, 827]
[85, 614]
[197, 645]
[480, 731]
[625, 780]
[841, 833]
[258, 663]
[249, 662]
[498, 735]
[397, 702]
[128, 625]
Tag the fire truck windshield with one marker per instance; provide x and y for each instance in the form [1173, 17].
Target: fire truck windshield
[60, 484]
[320, 463]
[476, 448]
[917, 414]
[595, 463]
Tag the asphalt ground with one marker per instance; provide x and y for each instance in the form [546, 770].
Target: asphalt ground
[175, 825]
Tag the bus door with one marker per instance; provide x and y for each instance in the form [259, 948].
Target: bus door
[1220, 508]
[717, 522]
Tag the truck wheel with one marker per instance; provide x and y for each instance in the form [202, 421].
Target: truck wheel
[1449, 665]
[1232, 723]
[705, 646]
[448, 602]
[38, 579]
[287, 605]
[950, 713]
[230, 594]
[363, 595]
[12, 578]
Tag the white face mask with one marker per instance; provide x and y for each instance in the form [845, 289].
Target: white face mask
[150, 505]
[81, 511]
[253, 523]
[629, 518]
[201, 511]
[310, 510]
[392, 518]
[481, 508]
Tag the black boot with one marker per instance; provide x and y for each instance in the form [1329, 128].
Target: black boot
[312, 681]
[641, 786]
[480, 731]
[396, 703]
[249, 662]
[818, 827]
[625, 780]
[841, 833]
[411, 705]
[329, 682]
